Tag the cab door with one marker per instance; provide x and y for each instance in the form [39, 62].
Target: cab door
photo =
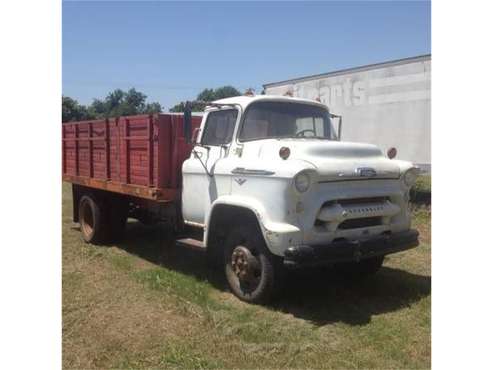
[202, 183]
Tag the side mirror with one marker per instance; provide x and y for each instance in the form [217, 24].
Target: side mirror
[339, 130]
[187, 122]
[339, 125]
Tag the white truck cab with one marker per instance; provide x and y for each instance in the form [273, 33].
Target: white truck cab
[272, 187]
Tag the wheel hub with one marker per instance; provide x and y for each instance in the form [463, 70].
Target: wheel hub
[244, 263]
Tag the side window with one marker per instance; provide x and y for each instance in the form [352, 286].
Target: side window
[219, 127]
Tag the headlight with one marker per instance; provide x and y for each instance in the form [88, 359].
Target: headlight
[410, 176]
[302, 182]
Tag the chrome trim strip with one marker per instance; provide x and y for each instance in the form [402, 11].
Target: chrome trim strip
[246, 171]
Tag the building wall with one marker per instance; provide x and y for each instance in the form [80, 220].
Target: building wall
[387, 104]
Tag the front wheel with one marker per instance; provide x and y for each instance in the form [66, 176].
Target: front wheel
[253, 273]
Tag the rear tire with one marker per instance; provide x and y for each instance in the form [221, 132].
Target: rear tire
[253, 273]
[92, 220]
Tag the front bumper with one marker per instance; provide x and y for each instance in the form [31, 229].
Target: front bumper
[347, 251]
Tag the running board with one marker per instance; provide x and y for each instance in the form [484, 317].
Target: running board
[195, 244]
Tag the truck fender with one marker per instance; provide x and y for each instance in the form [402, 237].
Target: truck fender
[275, 235]
[251, 204]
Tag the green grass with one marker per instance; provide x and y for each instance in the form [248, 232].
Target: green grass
[185, 288]
[146, 304]
[175, 356]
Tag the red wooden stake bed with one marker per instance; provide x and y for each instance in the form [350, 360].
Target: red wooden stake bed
[139, 155]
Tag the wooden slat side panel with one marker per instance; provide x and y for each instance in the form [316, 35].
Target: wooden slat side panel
[122, 133]
[82, 148]
[64, 163]
[156, 151]
[98, 150]
[150, 152]
[143, 151]
[69, 148]
[163, 150]
[114, 142]
[137, 144]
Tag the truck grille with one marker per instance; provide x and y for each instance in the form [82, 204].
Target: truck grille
[357, 223]
[355, 213]
[352, 201]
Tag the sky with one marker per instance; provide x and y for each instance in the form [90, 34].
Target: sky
[171, 51]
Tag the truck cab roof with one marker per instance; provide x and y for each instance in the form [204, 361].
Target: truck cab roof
[244, 101]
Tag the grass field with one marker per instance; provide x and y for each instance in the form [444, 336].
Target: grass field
[146, 304]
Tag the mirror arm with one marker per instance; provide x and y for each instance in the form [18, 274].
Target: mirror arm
[202, 163]
[339, 128]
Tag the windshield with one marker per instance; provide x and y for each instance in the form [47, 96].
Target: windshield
[264, 120]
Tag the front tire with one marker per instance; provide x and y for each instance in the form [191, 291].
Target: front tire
[253, 273]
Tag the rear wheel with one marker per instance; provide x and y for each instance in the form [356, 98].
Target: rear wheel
[91, 218]
[253, 273]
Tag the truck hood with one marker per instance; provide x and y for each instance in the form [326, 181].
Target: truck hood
[334, 160]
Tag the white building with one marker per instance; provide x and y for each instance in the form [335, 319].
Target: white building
[387, 104]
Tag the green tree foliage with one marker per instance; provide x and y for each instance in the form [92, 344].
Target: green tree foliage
[152, 108]
[73, 111]
[116, 103]
[207, 95]
[196, 107]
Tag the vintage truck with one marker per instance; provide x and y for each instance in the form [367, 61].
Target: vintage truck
[260, 183]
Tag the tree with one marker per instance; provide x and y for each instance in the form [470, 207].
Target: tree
[207, 95]
[73, 111]
[123, 103]
[152, 108]
[114, 99]
[224, 92]
[116, 103]
[195, 105]
[133, 103]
